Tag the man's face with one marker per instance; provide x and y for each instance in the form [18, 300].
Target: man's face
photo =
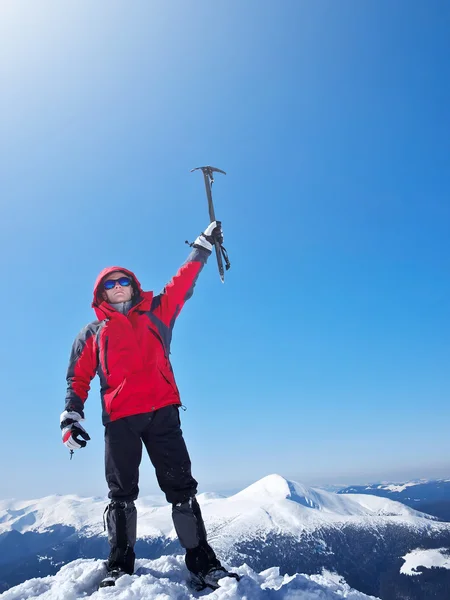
[118, 293]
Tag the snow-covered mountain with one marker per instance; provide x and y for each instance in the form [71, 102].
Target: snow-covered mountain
[271, 504]
[274, 522]
[430, 496]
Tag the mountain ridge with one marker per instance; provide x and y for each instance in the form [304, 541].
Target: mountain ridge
[274, 521]
[310, 506]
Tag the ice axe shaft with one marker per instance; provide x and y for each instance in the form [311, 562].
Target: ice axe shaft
[208, 175]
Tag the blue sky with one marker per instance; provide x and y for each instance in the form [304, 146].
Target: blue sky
[324, 357]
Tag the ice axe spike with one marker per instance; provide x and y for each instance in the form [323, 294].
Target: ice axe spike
[208, 175]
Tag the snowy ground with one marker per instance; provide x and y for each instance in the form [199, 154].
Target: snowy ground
[425, 558]
[165, 579]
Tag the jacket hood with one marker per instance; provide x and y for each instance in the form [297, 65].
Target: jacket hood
[97, 288]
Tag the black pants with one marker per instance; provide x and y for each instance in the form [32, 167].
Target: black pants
[161, 434]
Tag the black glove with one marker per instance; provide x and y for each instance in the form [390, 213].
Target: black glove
[74, 435]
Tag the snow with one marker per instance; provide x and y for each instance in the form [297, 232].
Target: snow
[165, 579]
[425, 558]
[398, 488]
[41, 514]
[272, 504]
[379, 506]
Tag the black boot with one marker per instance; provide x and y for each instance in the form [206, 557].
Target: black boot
[211, 579]
[121, 521]
[205, 569]
[201, 560]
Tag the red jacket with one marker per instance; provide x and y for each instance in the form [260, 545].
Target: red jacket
[130, 353]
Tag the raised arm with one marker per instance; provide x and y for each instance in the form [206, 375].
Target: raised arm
[168, 304]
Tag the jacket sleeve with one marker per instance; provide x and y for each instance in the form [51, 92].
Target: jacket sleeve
[168, 304]
[82, 368]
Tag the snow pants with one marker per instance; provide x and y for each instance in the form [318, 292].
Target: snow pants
[160, 432]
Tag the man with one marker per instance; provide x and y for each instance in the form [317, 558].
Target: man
[128, 347]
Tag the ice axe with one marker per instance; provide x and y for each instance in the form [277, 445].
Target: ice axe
[208, 175]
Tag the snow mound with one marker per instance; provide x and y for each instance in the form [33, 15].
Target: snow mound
[165, 578]
[436, 557]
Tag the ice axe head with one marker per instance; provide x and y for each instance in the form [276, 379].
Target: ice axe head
[208, 176]
[208, 171]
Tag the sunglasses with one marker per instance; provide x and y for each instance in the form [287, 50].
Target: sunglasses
[109, 284]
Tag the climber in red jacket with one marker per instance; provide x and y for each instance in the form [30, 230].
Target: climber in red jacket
[128, 347]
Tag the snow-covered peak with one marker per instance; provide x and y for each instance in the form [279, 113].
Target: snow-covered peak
[270, 504]
[276, 489]
[166, 578]
[273, 487]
